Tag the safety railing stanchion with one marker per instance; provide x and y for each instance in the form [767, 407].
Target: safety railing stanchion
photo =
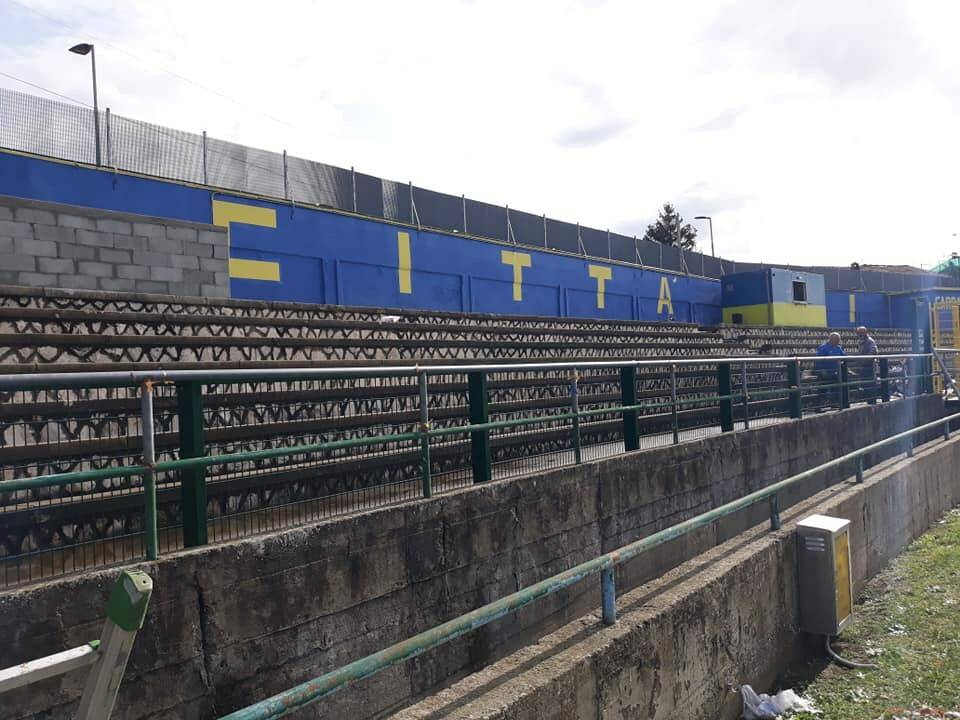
[575, 409]
[725, 391]
[674, 419]
[125, 614]
[884, 379]
[479, 415]
[427, 481]
[946, 430]
[774, 512]
[860, 469]
[796, 397]
[844, 376]
[149, 475]
[746, 396]
[193, 485]
[608, 595]
[628, 399]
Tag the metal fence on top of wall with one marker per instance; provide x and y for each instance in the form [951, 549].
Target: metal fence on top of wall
[61, 130]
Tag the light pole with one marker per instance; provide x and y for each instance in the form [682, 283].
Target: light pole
[87, 49]
[710, 220]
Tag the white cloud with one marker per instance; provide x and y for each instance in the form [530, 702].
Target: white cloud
[813, 132]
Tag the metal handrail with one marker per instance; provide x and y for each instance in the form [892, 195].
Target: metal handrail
[311, 691]
[59, 381]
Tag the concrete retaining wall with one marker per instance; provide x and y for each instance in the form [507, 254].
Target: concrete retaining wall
[233, 623]
[50, 245]
[685, 643]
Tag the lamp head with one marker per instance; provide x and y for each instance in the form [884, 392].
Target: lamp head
[82, 48]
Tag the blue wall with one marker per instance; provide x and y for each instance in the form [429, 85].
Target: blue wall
[327, 257]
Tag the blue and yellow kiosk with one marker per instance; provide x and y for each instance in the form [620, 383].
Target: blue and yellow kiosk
[774, 296]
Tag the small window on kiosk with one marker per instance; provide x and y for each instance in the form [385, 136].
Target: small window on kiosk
[799, 291]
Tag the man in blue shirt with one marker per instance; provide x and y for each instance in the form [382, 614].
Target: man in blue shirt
[828, 371]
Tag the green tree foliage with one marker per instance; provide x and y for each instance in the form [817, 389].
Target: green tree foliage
[669, 229]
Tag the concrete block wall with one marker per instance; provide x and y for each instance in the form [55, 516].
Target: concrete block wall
[63, 246]
[233, 623]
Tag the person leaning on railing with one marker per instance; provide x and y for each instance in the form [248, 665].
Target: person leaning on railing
[867, 369]
[828, 372]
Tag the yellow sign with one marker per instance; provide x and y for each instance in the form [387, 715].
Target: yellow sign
[665, 300]
[519, 261]
[403, 263]
[601, 273]
[225, 213]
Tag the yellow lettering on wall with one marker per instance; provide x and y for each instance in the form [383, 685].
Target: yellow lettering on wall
[225, 213]
[853, 308]
[519, 261]
[403, 263]
[601, 273]
[665, 300]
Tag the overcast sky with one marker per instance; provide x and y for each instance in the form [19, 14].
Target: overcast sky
[813, 131]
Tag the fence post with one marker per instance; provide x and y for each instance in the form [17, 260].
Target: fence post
[628, 398]
[575, 409]
[884, 379]
[286, 186]
[946, 430]
[774, 512]
[107, 138]
[844, 388]
[149, 477]
[203, 156]
[746, 396]
[353, 186]
[193, 481]
[424, 437]
[608, 594]
[479, 414]
[126, 611]
[725, 390]
[674, 418]
[860, 469]
[796, 396]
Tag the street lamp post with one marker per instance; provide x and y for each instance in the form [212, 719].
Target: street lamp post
[709, 220]
[87, 49]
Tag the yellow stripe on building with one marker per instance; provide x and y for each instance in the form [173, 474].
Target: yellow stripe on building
[225, 213]
[254, 270]
[853, 308]
[403, 263]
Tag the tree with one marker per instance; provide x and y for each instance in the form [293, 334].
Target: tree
[669, 229]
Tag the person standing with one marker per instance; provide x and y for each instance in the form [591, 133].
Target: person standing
[867, 369]
[828, 371]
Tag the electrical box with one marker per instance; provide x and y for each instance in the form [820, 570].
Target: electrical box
[826, 586]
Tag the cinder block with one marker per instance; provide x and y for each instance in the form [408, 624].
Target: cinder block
[213, 264]
[213, 237]
[36, 279]
[221, 252]
[109, 255]
[150, 286]
[115, 283]
[6, 213]
[19, 262]
[76, 221]
[185, 262]
[76, 252]
[77, 282]
[16, 229]
[165, 245]
[120, 227]
[8, 277]
[6, 245]
[185, 289]
[221, 278]
[32, 215]
[150, 259]
[133, 272]
[149, 230]
[198, 249]
[94, 238]
[95, 269]
[214, 291]
[200, 277]
[166, 274]
[40, 248]
[182, 234]
[130, 242]
[56, 265]
[55, 233]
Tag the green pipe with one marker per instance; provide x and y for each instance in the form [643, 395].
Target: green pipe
[300, 696]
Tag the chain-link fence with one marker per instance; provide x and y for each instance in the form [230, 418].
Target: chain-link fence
[40, 126]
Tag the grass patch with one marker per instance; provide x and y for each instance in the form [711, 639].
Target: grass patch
[908, 623]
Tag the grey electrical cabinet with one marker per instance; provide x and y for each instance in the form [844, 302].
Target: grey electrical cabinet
[825, 583]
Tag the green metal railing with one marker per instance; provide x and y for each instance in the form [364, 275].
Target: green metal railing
[193, 459]
[314, 690]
